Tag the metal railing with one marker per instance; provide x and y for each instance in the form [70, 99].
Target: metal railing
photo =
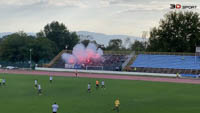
[165, 53]
[142, 52]
[125, 53]
[108, 52]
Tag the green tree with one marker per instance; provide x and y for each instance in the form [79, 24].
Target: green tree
[15, 47]
[86, 42]
[40, 34]
[43, 49]
[72, 40]
[177, 32]
[138, 46]
[60, 35]
[114, 44]
[127, 43]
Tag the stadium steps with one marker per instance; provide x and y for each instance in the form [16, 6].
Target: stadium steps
[128, 60]
[128, 67]
[56, 58]
[58, 64]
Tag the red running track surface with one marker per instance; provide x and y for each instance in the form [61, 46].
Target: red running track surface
[106, 76]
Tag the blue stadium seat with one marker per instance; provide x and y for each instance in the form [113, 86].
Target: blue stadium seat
[167, 61]
[190, 75]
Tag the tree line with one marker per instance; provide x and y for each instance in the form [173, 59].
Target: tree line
[177, 32]
[47, 43]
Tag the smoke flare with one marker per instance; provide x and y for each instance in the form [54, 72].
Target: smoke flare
[82, 54]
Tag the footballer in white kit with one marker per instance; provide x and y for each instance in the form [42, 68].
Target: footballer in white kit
[55, 107]
[89, 87]
[4, 81]
[36, 83]
[50, 79]
[103, 84]
[39, 89]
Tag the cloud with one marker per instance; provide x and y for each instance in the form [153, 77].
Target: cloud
[57, 3]
[19, 2]
[152, 6]
[135, 2]
[104, 3]
[70, 3]
[139, 9]
[123, 2]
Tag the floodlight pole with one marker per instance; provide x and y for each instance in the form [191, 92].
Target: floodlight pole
[30, 57]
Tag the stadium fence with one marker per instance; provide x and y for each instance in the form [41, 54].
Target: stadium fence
[94, 67]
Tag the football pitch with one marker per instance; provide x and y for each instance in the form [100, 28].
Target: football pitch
[70, 93]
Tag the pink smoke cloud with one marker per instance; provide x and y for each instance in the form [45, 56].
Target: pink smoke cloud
[82, 54]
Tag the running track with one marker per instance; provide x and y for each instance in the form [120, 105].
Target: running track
[123, 77]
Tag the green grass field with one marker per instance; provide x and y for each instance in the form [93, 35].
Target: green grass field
[19, 96]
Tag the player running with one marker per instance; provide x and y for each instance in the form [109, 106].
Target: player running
[97, 84]
[178, 75]
[55, 107]
[4, 81]
[76, 74]
[102, 84]
[89, 87]
[50, 79]
[117, 103]
[39, 90]
[36, 84]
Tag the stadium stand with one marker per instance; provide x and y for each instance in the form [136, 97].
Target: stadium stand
[111, 61]
[54, 62]
[182, 63]
[190, 75]
[167, 61]
[167, 64]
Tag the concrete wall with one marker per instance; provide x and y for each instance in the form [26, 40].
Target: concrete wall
[106, 72]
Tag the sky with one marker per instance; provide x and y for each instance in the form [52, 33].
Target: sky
[128, 17]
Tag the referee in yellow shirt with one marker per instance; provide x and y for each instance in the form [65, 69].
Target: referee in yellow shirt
[117, 103]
